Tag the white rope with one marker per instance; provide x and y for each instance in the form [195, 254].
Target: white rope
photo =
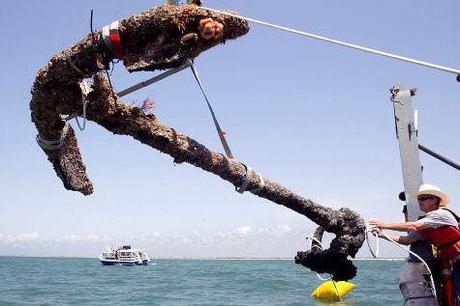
[320, 246]
[377, 245]
[433, 287]
[317, 241]
[341, 43]
[85, 90]
[82, 127]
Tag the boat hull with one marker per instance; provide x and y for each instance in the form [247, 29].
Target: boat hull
[108, 263]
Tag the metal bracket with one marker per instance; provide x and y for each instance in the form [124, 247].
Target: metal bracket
[397, 95]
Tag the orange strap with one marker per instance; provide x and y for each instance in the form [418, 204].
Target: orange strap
[112, 40]
[448, 285]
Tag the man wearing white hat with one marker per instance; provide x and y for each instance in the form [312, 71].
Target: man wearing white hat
[439, 227]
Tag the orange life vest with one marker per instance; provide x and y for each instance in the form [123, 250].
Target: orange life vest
[446, 239]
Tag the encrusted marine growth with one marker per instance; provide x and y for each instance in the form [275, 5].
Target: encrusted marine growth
[164, 37]
[335, 259]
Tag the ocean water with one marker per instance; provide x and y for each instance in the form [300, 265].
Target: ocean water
[76, 281]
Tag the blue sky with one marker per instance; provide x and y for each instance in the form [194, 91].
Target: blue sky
[312, 116]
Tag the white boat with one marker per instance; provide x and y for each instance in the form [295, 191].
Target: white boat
[124, 255]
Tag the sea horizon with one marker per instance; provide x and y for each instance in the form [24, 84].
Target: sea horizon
[206, 258]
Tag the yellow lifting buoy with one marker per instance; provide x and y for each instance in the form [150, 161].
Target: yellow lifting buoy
[332, 291]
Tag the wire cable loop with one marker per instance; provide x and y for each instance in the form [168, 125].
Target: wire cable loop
[377, 244]
[75, 68]
[247, 179]
[52, 145]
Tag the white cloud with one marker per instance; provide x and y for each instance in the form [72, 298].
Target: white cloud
[27, 237]
[186, 240]
[276, 231]
[243, 231]
[284, 229]
[244, 240]
[220, 234]
[76, 238]
[20, 238]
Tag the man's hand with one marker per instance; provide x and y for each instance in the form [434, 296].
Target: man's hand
[376, 223]
[376, 232]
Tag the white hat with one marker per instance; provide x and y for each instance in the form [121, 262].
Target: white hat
[432, 190]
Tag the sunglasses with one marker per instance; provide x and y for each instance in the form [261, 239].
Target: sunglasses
[424, 198]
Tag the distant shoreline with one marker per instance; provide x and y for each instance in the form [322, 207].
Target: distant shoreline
[209, 258]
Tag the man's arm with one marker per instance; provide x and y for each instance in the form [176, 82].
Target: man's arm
[401, 226]
[406, 240]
